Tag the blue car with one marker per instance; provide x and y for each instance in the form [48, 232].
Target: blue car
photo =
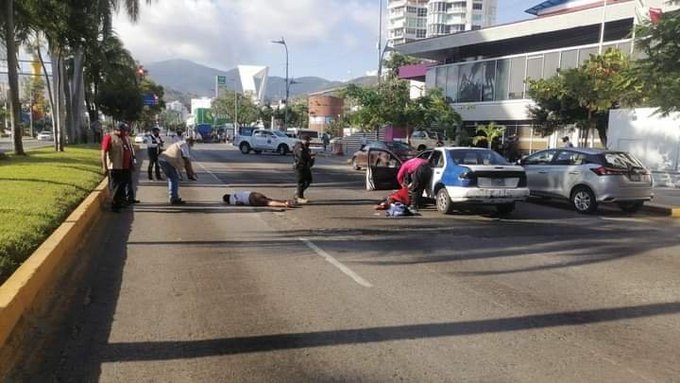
[461, 176]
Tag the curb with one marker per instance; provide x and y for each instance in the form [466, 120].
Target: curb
[662, 209]
[22, 295]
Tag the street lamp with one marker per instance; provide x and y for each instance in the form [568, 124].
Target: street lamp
[285, 115]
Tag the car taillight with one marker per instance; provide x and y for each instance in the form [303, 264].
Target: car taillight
[604, 171]
[466, 174]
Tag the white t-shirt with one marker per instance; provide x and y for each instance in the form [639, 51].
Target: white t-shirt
[241, 198]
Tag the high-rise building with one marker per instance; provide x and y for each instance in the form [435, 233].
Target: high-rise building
[410, 20]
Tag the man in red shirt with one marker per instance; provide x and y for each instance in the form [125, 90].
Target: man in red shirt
[415, 174]
[116, 159]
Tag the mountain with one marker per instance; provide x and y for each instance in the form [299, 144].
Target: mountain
[184, 77]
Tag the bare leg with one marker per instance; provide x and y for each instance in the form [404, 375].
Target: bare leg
[259, 199]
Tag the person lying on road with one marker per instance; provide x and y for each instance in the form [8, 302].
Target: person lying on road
[247, 198]
[400, 195]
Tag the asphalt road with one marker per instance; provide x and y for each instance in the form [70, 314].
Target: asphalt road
[6, 144]
[337, 292]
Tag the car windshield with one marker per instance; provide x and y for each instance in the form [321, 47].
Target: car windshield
[477, 157]
[279, 133]
[397, 145]
[376, 145]
[621, 160]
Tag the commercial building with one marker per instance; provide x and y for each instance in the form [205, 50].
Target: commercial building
[324, 109]
[484, 72]
[411, 20]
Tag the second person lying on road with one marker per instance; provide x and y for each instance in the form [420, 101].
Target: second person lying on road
[248, 198]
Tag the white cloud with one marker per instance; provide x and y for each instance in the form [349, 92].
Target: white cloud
[323, 37]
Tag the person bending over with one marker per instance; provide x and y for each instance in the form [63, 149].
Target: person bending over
[248, 198]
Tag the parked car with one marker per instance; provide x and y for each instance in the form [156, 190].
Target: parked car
[587, 177]
[45, 135]
[140, 138]
[400, 149]
[461, 176]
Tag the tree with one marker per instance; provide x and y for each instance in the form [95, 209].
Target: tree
[230, 104]
[489, 133]
[12, 74]
[583, 96]
[658, 70]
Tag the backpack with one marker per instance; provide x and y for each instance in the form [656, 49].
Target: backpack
[398, 209]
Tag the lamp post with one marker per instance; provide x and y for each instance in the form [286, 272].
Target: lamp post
[285, 114]
[380, 51]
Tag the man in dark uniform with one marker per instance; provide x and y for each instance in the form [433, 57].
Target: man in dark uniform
[154, 146]
[304, 160]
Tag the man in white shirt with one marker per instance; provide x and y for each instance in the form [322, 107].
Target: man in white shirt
[154, 146]
[248, 198]
[173, 160]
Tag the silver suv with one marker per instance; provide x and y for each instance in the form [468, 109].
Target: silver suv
[587, 176]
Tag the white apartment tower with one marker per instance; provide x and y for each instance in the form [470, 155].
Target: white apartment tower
[410, 20]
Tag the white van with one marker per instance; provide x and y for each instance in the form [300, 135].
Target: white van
[315, 143]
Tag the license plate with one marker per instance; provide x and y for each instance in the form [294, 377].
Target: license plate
[498, 193]
[635, 177]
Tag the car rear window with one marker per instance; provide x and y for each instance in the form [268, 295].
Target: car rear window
[621, 160]
[477, 157]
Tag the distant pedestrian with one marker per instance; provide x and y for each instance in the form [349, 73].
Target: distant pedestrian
[154, 147]
[325, 140]
[566, 143]
[303, 162]
[174, 160]
[117, 159]
[415, 174]
[363, 141]
[248, 198]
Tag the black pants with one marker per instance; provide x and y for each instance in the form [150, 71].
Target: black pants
[420, 179]
[153, 163]
[304, 179]
[129, 186]
[117, 182]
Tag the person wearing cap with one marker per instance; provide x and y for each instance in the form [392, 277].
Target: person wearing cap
[174, 160]
[117, 160]
[303, 162]
[154, 146]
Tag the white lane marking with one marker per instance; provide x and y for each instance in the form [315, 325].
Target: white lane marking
[208, 171]
[336, 263]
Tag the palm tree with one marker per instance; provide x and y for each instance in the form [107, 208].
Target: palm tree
[490, 132]
[12, 74]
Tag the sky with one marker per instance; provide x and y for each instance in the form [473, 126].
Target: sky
[331, 39]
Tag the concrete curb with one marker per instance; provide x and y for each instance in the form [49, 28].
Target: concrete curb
[24, 291]
[662, 209]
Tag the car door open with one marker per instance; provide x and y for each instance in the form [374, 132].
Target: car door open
[381, 170]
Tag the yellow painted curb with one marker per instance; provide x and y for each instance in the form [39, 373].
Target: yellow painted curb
[675, 212]
[20, 292]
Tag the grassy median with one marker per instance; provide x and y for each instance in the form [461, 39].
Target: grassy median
[37, 192]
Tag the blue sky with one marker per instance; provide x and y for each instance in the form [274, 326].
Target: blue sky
[332, 39]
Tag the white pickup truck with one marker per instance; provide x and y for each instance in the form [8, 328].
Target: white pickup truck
[266, 140]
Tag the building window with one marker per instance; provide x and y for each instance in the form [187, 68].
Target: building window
[440, 80]
[516, 82]
[569, 59]
[477, 6]
[584, 54]
[422, 12]
[551, 62]
[421, 33]
[502, 77]
[451, 90]
[535, 67]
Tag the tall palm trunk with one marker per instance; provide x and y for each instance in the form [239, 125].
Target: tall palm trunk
[50, 95]
[76, 109]
[13, 78]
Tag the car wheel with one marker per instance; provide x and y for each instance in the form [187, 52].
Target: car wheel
[282, 149]
[355, 166]
[421, 148]
[583, 200]
[444, 204]
[630, 206]
[245, 148]
[506, 208]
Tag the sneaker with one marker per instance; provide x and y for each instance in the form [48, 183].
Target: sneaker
[178, 201]
[302, 200]
[291, 203]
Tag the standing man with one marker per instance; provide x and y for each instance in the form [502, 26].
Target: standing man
[173, 160]
[415, 174]
[154, 146]
[304, 160]
[566, 143]
[116, 159]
